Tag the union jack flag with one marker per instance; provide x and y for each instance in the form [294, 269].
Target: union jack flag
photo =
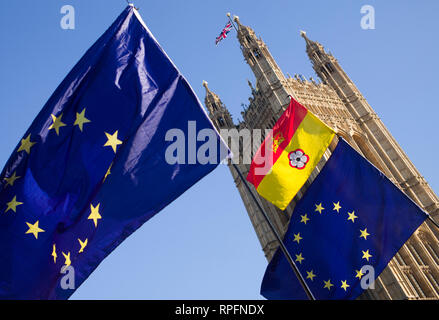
[224, 32]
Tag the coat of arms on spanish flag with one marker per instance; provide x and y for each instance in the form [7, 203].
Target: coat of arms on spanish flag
[287, 157]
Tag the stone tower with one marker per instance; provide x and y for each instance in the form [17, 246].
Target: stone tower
[414, 272]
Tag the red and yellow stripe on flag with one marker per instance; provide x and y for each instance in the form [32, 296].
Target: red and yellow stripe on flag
[287, 157]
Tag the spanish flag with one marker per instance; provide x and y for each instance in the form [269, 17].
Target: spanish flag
[289, 154]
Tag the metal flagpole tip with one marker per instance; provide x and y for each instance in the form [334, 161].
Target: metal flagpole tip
[228, 14]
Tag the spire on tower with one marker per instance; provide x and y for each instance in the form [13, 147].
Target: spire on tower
[250, 85]
[244, 32]
[210, 96]
[208, 92]
[310, 45]
[268, 74]
[303, 34]
[236, 19]
[217, 110]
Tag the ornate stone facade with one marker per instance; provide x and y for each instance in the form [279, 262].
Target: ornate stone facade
[414, 272]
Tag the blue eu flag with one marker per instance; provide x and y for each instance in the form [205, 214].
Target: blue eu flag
[349, 224]
[94, 165]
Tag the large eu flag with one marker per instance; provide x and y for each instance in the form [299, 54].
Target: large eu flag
[343, 232]
[92, 167]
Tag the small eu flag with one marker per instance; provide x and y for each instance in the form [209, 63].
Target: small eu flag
[347, 227]
[92, 167]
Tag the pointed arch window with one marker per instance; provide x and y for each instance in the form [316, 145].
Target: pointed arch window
[433, 281]
[257, 53]
[432, 252]
[251, 59]
[400, 259]
[416, 285]
[329, 67]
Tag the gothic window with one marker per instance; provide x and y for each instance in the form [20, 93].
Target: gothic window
[415, 254]
[248, 38]
[329, 67]
[323, 70]
[415, 283]
[214, 107]
[432, 252]
[251, 59]
[433, 281]
[400, 259]
[257, 53]
[221, 121]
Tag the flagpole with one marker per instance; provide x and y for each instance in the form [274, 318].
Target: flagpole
[277, 236]
[233, 24]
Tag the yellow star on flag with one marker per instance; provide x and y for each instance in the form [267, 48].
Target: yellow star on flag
[112, 141]
[81, 119]
[364, 234]
[299, 258]
[94, 215]
[352, 216]
[26, 144]
[297, 237]
[54, 255]
[83, 244]
[359, 274]
[304, 219]
[67, 262]
[310, 275]
[344, 285]
[328, 284]
[34, 229]
[337, 206]
[57, 123]
[319, 208]
[366, 255]
[10, 181]
[12, 205]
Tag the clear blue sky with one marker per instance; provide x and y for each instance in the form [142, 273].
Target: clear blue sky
[203, 246]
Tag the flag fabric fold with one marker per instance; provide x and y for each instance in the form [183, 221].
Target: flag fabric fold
[92, 167]
[224, 33]
[289, 154]
[343, 232]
